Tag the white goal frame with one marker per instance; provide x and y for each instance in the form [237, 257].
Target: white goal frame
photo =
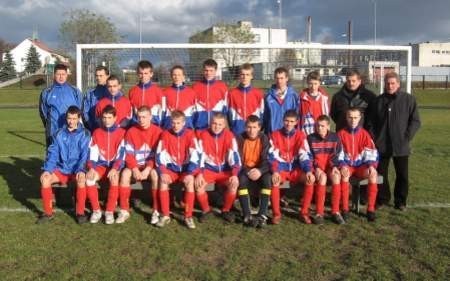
[408, 49]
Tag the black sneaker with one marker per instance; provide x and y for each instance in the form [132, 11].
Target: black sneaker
[82, 219]
[44, 219]
[204, 217]
[346, 216]
[228, 216]
[337, 218]
[260, 221]
[400, 207]
[371, 216]
[318, 219]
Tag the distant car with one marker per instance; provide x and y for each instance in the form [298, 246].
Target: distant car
[332, 80]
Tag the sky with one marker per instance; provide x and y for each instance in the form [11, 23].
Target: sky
[399, 22]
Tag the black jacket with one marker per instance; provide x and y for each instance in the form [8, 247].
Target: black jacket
[344, 99]
[394, 120]
[264, 165]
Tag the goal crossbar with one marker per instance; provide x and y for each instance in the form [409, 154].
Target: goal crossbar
[112, 46]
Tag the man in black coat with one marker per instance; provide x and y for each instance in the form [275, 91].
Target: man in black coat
[352, 94]
[394, 120]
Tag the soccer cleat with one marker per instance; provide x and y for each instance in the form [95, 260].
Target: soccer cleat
[82, 219]
[371, 216]
[228, 216]
[123, 216]
[109, 217]
[346, 216]
[318, 219]
[189, 223]
[163, 221]
[44, 219]
[96, 216]
[337, 218]
[204, 217]
[276, 219]
[155, 218]
[248, 221]
[260, 221]
[305, 219]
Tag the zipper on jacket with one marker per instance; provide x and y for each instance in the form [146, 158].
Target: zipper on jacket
[217, 151]
[178, 151]
[207, 102]
[108, 145]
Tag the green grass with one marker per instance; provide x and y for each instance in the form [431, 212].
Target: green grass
[412, 245]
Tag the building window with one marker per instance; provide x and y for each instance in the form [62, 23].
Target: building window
[257, 38]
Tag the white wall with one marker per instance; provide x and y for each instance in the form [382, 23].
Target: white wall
[19, 54]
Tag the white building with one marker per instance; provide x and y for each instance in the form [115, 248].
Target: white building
[46, 55]
[431, 54]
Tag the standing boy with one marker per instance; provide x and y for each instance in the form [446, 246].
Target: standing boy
[92, 97]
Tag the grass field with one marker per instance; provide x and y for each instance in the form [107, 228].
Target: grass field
[411, 245]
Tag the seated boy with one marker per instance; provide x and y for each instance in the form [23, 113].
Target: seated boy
[359, 158]
[290, 161]
[219, 163]
[325, 147]
[177, 160]
[140, 147]
[253, 148]
[66, 159]
[106, 157]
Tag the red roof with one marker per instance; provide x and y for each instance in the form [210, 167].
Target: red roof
[42, 45]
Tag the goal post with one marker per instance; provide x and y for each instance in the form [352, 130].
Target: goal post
[331, 60]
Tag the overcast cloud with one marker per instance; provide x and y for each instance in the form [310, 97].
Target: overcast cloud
[173, 21]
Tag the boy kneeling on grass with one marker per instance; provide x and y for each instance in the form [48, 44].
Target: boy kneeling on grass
[359, 158]
[66, 159]
[107, 153]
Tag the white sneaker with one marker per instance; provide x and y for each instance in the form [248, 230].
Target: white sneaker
[163, 221]
[96, 216]
[109, 217]
[155, 217]
[123, 216]
[189, 223]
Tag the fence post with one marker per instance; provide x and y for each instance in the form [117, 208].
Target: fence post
[446, 82]
[423, 82]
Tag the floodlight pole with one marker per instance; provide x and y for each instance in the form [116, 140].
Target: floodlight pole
[280, 17]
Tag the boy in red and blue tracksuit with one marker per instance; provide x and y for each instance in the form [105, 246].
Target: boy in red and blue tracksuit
[140, 149]
[177, 159]
[178, 97]
[219, 163]
[314, 102]
[146, 93]
[66, 160]
[359, 157]
[117, 99]
[290, 161]
[93, 96]
[55, 100]
[106, 159]
[211, 96]
[280, 98]
[325, 148]
[244, 100]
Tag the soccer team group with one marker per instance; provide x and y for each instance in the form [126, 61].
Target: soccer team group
[207, 134]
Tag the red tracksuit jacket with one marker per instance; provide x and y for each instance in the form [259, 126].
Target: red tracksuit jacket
[121, 104]
[148, 94]
[211, 97]
[178, 152]
[358, 148]
[243, 102]
[140, 146]
[179, 98]
[311, 108]
[107, 148]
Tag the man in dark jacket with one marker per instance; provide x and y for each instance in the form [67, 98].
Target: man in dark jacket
[394, 120]
[253, 148]
[352, 94]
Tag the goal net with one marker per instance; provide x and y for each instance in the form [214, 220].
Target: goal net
[331, 61]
